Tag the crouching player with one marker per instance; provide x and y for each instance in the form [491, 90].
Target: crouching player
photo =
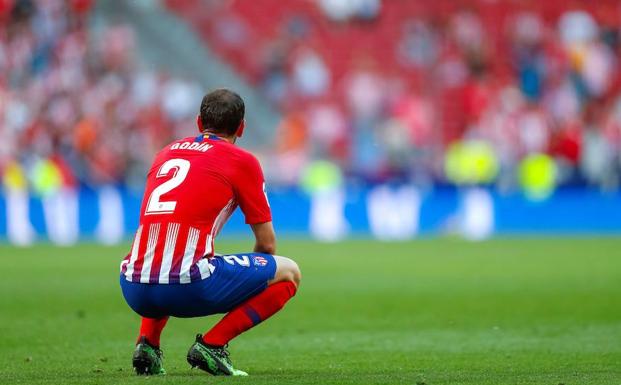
[192, 188]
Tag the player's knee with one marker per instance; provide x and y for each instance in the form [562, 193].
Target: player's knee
[296, 274]
[289, 271]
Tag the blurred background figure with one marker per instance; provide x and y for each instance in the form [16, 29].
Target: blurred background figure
[452, 116]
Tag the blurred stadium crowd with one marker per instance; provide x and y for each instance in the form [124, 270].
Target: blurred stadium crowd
[470, 92]
[398, 89]
[75, 105]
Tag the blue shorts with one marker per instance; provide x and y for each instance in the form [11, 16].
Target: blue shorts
[235, 279]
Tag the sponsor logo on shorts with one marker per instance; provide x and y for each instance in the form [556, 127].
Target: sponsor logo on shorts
[260, 261]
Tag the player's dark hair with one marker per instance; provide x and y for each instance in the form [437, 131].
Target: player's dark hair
[222, 111]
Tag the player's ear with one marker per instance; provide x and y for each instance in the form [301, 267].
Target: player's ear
[199, 123]
[240, 129]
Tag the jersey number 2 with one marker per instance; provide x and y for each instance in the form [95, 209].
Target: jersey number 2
[157, 206]
[241, 260]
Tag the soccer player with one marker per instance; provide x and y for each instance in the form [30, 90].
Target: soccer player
[192, 188]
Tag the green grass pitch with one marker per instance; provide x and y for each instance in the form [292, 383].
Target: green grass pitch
[438, 311]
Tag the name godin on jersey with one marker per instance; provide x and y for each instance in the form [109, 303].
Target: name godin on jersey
[196, 146]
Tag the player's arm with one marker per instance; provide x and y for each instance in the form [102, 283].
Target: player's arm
[250, 194]
[265, 238]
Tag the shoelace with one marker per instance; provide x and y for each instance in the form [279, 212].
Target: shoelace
[223, 352]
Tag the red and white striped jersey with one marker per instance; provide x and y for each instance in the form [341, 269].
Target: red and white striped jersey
[192, 188]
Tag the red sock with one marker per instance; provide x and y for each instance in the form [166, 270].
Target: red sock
[250, 313]
[152, 328]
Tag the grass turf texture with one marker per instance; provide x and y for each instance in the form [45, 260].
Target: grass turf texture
[443, 311]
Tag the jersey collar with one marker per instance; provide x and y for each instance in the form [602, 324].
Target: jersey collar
[207, 136]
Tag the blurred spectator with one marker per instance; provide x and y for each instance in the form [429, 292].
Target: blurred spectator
[311, 76]
[344, 10]
[328, 131]
[418, 44]
[291, 148]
